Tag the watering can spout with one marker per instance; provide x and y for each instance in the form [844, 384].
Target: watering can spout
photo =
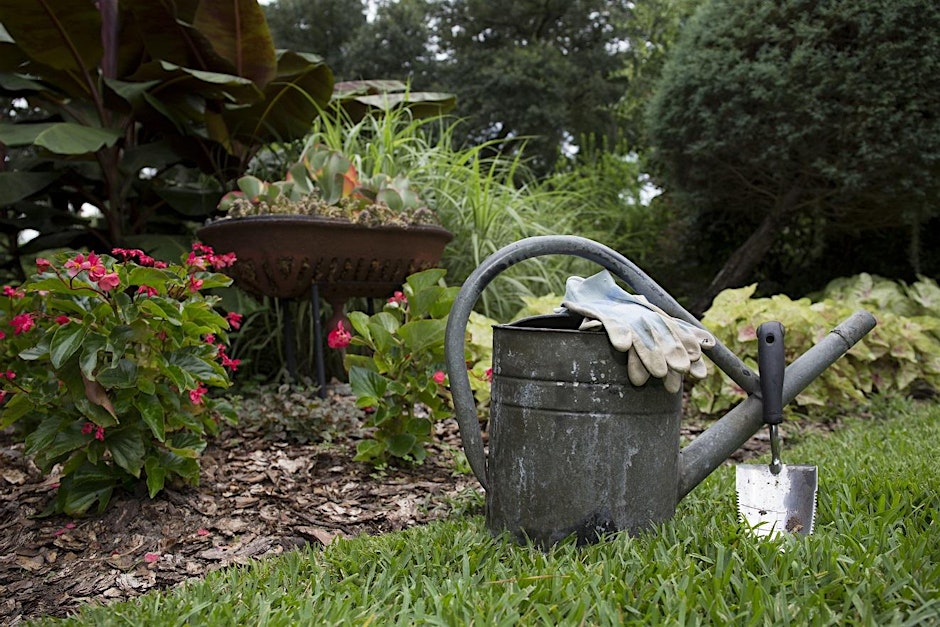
[546, 440]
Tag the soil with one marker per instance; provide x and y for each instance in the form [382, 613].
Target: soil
[263, 490]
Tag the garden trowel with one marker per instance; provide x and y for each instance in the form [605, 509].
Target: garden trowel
[776, 498]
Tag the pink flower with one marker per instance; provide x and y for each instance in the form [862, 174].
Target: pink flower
[60, 320]
[150, 558]
[202, 532]
[13, 293]
[197, 261]
[3, 396]
[2, 335]
[338, 337]
[109, 281]
[87, 428]
[159, 265]
[74, 265]
[195, 396]
[222, 261]
[194, 284]
[489, 375]
[42, 264]
[146, 290]
[439, 377]
[210, 339]
[398, 298]
[234, 319]
[99, 434]
[22, 323]
[228, 362]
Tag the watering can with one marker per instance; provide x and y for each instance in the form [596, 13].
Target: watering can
[574, 447]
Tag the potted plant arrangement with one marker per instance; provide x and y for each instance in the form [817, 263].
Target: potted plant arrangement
[323, 224]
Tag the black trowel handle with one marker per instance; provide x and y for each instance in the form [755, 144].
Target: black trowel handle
[771, 361]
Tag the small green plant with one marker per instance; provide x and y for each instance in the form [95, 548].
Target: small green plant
[902, 350]
[107, 363]
[402, 381]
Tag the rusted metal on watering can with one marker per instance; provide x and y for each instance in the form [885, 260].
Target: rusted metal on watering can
[567, 455]
[561, 401]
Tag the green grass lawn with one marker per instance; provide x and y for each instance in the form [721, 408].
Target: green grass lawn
[874, 559]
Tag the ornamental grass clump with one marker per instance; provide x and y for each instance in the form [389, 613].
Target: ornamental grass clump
[107, 362]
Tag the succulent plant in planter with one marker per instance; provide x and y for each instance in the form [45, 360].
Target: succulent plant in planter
[323, 224]
[326, 183]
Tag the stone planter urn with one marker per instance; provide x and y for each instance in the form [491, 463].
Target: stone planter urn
[282, 256]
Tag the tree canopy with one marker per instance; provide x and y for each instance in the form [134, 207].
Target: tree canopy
[800, 119]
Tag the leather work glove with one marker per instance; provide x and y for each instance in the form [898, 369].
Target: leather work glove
[656, 344]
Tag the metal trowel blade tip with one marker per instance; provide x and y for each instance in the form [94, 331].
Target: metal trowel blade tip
[771, 503]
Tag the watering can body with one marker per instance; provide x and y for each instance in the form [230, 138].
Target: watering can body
[574, 448]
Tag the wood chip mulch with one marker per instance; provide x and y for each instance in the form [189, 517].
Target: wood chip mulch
[258, 496]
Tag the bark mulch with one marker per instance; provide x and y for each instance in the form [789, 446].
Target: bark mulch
[283, 478]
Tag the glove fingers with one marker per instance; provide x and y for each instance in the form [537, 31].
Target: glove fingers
[588, 323]
[698, 370]
[673, 381]
[668, 340]
[637, 374]
[652, 358]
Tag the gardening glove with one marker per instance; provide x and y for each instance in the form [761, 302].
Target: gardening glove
[656, 344]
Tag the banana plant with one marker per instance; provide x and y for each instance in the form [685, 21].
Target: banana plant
[143, 109]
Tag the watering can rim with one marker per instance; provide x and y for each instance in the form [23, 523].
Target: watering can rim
[699, 458]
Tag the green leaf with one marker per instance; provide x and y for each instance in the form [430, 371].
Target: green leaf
[67, 138]
[151, 412]
[14, 409]
[368, 386]
[161, 309]
[360, 324]
[62, 34]
[369, 450]
[292, 100]
[199, 369]
[89, 483]
[66, 340]
[422, 335]
[122, 374]
[15, 186]
[421, 281]
[400, 445]
[238, 32]
[88, 361]
[156, 475]
[127, 448]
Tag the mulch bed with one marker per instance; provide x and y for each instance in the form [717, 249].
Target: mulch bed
[258, 496]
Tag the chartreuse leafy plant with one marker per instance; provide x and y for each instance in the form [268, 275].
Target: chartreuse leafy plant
[903, 350]
[106, 365]
[402, 380]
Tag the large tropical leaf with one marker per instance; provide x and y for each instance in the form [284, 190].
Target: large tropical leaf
[239, 34]
[168, 34]
[15, 186]
[63, 34]
[292, 100]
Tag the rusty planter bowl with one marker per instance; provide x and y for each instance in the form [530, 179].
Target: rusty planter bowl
[281, 256]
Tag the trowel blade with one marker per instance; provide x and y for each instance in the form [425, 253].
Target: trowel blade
[772, 504]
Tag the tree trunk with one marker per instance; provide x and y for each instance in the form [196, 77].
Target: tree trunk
[740, 265]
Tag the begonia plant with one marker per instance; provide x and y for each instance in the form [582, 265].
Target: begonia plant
[401, 382]
[106, 365]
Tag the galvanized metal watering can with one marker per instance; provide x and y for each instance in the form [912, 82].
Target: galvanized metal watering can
[574, 447]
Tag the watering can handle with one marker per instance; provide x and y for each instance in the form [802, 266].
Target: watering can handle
[455, 335]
